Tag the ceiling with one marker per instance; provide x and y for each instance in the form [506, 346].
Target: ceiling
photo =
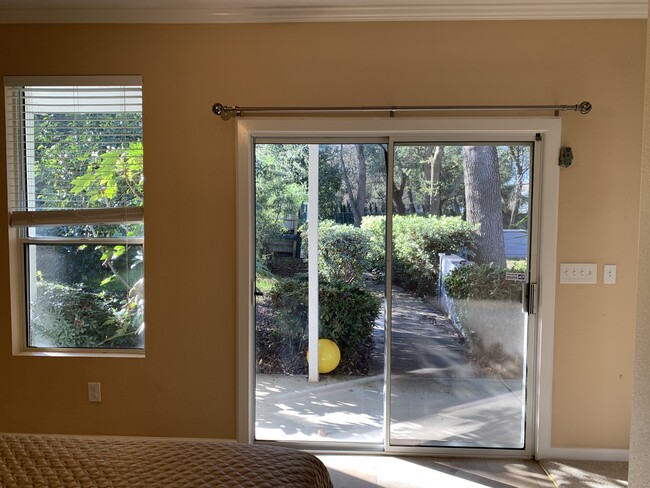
[257, 11]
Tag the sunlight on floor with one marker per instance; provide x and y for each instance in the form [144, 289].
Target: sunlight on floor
[452, 411]
[358, 471]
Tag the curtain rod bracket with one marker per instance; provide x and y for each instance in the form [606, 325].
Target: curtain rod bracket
[226, 113]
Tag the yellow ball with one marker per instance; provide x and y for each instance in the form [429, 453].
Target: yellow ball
[329, 355]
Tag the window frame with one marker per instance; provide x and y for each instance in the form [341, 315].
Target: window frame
[22, 220]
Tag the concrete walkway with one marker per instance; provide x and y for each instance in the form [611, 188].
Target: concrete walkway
[424, 343]
[436, 398]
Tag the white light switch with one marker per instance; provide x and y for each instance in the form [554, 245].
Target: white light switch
[609, 274]
[578, 273]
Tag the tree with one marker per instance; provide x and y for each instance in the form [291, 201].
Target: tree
[434, 180]
[83, 161]
[114, 179]
[329, 185]
[483, 202]
[281, 174]
[451, 186]
[398, 191]
[515, 166]
[357, 199]
[428, 177]
[360, 170]
[424, 178]
[67, 145]
[409, 177]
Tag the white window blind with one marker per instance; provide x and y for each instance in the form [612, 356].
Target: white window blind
[74, 150]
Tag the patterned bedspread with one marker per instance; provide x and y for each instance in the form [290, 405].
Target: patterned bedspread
[53, 461]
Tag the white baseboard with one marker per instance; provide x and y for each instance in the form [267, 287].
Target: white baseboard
[577, 454]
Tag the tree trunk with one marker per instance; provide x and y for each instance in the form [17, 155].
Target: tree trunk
[483, 202]
[358, 208]
[427, 167]
[398, 195]
[358, 201]
[519, 184]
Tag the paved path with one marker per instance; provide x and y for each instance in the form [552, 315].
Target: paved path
[424, 342]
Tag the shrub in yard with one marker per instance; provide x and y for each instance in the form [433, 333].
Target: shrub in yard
[289, 300]
[347, 315]
[67, 316]
[342, 252]
[375, 229]
[485, 281]
[417, 241]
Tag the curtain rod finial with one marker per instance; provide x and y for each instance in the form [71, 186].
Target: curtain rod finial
[222, 111]
[584, 108]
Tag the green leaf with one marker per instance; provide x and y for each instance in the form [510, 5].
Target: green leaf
[106, 281]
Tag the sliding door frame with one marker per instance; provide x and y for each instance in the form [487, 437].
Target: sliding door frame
[545, 180]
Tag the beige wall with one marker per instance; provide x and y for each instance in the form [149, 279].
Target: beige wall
[186, 384]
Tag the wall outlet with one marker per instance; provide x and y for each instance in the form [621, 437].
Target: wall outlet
[609, 274]
[94, 392]
[578, 273]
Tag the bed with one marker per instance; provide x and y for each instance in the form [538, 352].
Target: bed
[61, 461]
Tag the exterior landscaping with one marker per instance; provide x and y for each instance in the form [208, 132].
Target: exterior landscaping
[85, 281]
[435, 213]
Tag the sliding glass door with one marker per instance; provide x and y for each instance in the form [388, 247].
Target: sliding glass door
[459, 340]
[392, 292]
[319, 288]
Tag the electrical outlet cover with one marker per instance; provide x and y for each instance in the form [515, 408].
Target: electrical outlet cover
[94, 392]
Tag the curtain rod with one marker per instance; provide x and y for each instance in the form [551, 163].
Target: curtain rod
[226, 112]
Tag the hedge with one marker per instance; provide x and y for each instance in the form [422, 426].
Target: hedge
[417, 241]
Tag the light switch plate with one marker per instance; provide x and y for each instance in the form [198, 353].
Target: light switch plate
[609, 274]
[578, 273]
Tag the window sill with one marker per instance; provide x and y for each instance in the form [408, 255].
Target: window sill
[82, 353]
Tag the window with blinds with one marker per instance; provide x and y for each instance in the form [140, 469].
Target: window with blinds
[76, 203]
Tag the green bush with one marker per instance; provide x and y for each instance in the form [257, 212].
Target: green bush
[485, 281]
[375, 228]
[69, 316]
[267, 233]
[347, 313]
[289, 299]
[342, 252]
[417, 241]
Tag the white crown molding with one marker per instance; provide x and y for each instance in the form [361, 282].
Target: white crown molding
[361, 10]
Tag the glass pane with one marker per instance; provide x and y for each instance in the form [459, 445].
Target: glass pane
[85, 296]
[347, 402]
[460, 250]
[83, 147]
